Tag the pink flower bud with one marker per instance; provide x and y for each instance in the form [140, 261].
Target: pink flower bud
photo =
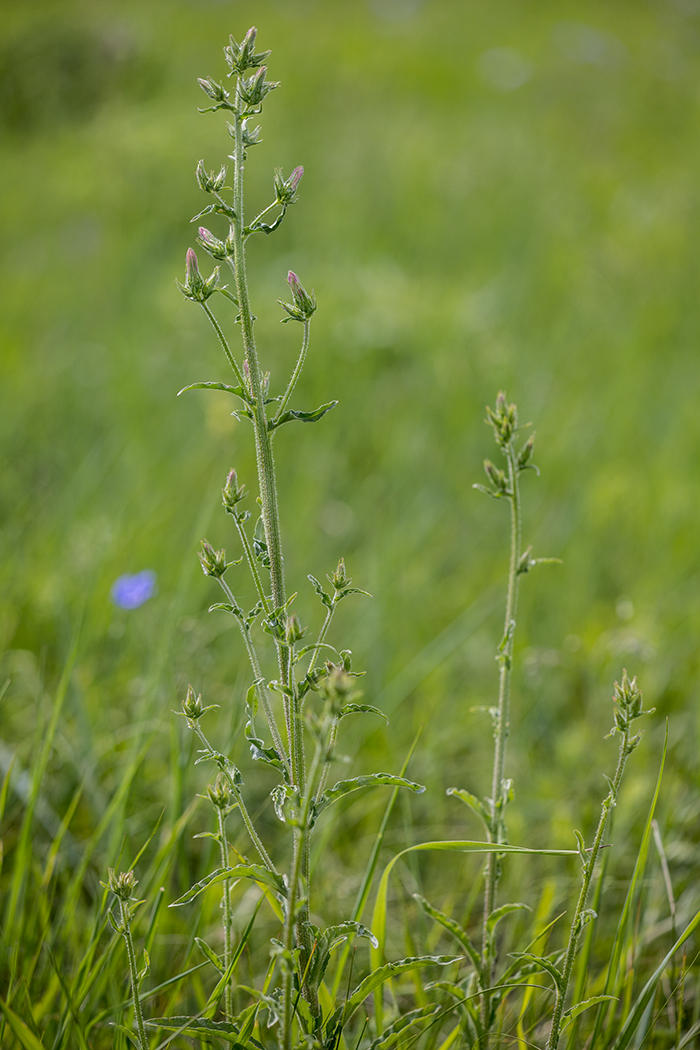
[295, 177]
[207, 235]
[191, 265]
[293, 282]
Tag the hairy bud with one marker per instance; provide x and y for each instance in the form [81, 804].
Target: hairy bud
[220, 792]
[504, 420]
[192, 704]
[196, 287]
[286, 189]
[241, 57]
[213, 562]
[253, 90]
[122, 884]
[304, 305]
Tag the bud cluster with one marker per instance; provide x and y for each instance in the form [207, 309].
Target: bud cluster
[122, 884]
[220, 250]
[340, 578]
[220, 792]
[628, 701]
[207, 180]
[304, 305]
[338, 686]
[286, 189]
[504, 420]
[216, 92]
[192, 704]
[231, 495]
[213, 562]
[252, 90]
[196, 287]
[241, 57]
[294, 632]
[497, 478]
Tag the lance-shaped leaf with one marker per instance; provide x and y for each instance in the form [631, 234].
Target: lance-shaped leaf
[378, 977]
[570, 1015]
[303, 417]
[402, 1025]
[452, 927]
[356, 709]
[475, 804]
[208, 952]
[500, 913]
[541, 963]
[239, 391]
[202, 1026]
[344, 787]
[256, 872]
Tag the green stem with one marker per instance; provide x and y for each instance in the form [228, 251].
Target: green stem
[250, 558]
[226, 908]
[502, 731]
[589, 867]
[296, 373]
[260, 688]
[133, 972]
[236, 791]
[224, 343]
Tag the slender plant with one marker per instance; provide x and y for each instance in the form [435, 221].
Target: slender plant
[122, 885]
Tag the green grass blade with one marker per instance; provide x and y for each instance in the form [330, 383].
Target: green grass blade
[21, 1032]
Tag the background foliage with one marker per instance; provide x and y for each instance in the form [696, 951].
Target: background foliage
[496, 195]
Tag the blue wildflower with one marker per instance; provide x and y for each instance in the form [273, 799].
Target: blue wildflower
[128, 592]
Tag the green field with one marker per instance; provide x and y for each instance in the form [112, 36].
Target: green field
[497, 195]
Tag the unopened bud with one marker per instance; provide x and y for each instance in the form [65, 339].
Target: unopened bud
[220, 792]
[196, 287]
[213, 562]
[525, 454]
[340, 578]
[122, 884]
[304, 305]
[496, 477]
[504, 419]
[254, 89]
[216, 92]
[241, 57]
[232, 493]
[294, 632]
[192, 704]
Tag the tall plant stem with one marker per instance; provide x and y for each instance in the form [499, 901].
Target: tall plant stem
[263, 445]
[502, 731]
[226, 909]
[133, 972]
[588, 869]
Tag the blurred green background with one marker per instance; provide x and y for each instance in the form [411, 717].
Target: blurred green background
[496, 196]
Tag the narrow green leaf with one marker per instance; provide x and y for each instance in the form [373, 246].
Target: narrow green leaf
[635, 1016]
[356, 709]
[344, 787]
[239, 391]
[378, 977]
[402, 1025]
[209, 953]
[475, 804]
[543, 964]
[569, 1015]
[199, 1026]
[452, 927]
[131, 1036]
[303, 417]
[263, 876]
[19, 1029]
[500, 913]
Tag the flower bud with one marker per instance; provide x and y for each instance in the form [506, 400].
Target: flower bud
[294, 631]
[340, 579]
[220, 792]
[207, 180]
[496, 477]
[217, 249]
[232, 493]
[213, 562]
[196, 287]
[304, 305]
[504, 419]
[241, 57]
[192, 704]
[216, 92]
[253, 90]
[286, 189]
[251, 136]
[122, 884]
[525, 454]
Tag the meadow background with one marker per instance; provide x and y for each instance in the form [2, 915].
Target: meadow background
[497, 195]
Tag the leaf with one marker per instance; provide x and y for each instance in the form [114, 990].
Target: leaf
[378, 977]
[197, 1026]
[239, 391]
[344, 787]
[325, 598]
[131, 1036]
[19, 1029]
[500, 913]
[543, 964]
[256, 872]
[303, 417]
[475, 804]
[326, 941]
[569, 1015]
[390, 1035]
[648, 991]
[356, 709]
[209, 953]
[452, 927]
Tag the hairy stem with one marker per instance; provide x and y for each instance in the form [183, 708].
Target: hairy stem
[226, 909]
[588, 869]
[501, 733]
[133, 972]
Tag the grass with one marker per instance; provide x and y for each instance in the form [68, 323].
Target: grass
[460, 237]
